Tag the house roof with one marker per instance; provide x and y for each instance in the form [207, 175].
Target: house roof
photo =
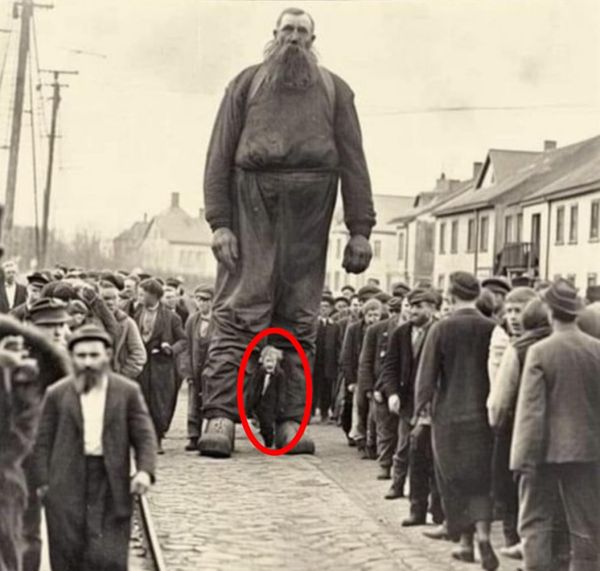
[135, 233]
[387, 207]
[505, 162]
[578, 169]
[523, 184]
[176, 226]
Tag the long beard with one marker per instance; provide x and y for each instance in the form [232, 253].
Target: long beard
[88, 378]
[290, 66]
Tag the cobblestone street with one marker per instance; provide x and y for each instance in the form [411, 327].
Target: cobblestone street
[259, 512]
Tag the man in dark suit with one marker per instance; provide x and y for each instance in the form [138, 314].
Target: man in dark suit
[556, 438]
[35, 283]
[327, 351]
[453, 380]
[374, 350]
[398, 379]
[164, 340]
[198, 334]
[90, 422]
[12, 293]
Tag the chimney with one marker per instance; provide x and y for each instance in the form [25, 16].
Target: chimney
[174, 200]
[440, 183]
[549, 146]
[477, 169]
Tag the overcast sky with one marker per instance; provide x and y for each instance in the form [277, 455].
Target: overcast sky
[135, 124]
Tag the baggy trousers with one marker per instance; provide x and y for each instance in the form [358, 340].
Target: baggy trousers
[541, 491]
[387, 434]
[423, 486]
[194, 411]
[400, 461]
[281, 221]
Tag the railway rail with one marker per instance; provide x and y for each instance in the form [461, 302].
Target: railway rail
[145, 551]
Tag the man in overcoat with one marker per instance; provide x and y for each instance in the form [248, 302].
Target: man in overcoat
[286, 133]
[164, 339]
[556, 439]
[90, 422]
[453, 377]
[374, 350]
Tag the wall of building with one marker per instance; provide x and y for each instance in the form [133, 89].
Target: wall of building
[447, 262]
[577, 260]
[528, 213]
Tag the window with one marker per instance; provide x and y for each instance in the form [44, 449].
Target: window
[471, 235]
[443, 238]
[560, 225]
[573, 222]
[484, 233]
[377, 249]
[519, 236]
[338, 250]
[336, 281]
[508, 228]
[440, 281]
[401, 246]
[594, 220]
[572, 278]
[454, 237]
[592, 280]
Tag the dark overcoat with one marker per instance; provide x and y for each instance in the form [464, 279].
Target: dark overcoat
[158, 378]
[453, 374]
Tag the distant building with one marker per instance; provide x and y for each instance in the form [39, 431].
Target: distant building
[416, 230]
[172, 242]
[384, 265]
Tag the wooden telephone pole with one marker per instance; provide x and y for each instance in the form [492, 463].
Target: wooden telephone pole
[27, 7]
[56, 87]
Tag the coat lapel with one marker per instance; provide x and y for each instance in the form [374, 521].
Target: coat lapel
[110, 407]
[73, 404]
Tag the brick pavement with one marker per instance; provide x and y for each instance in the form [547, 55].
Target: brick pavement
[258, 512]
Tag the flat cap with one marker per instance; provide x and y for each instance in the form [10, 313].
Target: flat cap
[153, 286]
[383, 297]
[496, 284]
[400, 289]
[173, 282]
[38, 278]
[419, 295]
[49, 311]
[114, 279]
[342, 298]
[521, 281]
[206, 290]
[348, 286]
[562, 296]
[89, 333]
[367, 292]
[395, 304]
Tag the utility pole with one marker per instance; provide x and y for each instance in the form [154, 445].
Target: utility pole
[56, 87]
[15, 136]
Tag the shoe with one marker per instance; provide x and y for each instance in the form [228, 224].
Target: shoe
[512, 552]
[439, 532]
[160, 450]
[351, 442]
[413, 520]
[465, 554]
[384, 473]
[192, 445]
[489, 561]
[285, 433]
[217, 440]
[394, 493]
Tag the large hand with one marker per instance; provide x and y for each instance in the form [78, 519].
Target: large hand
[140, 483]
[394, 404]
[357, 255]
[225, 248]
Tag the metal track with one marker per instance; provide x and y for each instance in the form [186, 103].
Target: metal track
[150, 537]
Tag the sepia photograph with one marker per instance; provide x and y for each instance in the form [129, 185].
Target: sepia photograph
[299, 285]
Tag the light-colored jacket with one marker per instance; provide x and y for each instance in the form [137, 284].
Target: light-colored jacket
[557, 418]
[130, 354]
[498, 344]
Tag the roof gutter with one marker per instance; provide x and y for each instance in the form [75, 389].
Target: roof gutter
[548, 238]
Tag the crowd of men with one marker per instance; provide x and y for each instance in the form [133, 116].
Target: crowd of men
[92, 363]
[483, 398]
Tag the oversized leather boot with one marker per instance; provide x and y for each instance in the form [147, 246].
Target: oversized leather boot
[285, 432]
[217, 439]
